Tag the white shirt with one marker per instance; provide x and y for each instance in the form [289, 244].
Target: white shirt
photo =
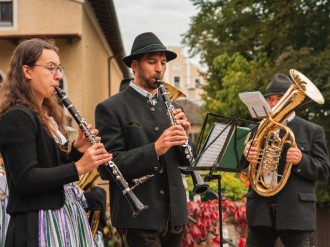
[152, 99]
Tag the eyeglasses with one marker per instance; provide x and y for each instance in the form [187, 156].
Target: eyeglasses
[52, 68]
[271, 99]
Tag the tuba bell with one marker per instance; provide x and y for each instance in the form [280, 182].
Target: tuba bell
[302, 90]
[86, 180]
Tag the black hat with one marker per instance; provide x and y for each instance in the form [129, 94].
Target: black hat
[147, 42]
[278, 86]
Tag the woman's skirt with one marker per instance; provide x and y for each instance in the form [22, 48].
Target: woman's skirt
[4, 219]
[68, 226]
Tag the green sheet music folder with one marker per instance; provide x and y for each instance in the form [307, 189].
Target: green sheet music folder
[220, 148]
[229, 160]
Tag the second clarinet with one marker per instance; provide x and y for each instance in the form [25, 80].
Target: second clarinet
[134, 202]
[199, 185]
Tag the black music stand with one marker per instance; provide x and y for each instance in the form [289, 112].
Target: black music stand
[225, 142]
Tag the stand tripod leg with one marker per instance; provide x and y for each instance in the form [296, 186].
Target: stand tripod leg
[220, 210]
[222, 240]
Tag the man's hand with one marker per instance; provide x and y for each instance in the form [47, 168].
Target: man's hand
[294, 156]
[250, 152]
[181, 119]
[173, 136]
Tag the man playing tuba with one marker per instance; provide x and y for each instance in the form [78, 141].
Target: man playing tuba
[290, 214]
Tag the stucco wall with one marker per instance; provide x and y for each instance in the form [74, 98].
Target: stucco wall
[6, 49]
[51, 17]
[85, 58]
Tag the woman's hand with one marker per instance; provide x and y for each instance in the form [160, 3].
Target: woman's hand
[82, 143]
[94, 156]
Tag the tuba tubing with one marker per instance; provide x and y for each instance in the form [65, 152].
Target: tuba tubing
[133, 201]
[199, 185]
[302, 90]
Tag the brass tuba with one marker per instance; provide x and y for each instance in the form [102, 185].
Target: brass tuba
[86, 180]
[302, 90]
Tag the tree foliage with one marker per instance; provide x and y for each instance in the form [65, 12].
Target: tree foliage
[250, 27]
[232, 74]
[245, 43]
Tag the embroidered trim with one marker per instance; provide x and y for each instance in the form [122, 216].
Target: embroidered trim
[150, 48]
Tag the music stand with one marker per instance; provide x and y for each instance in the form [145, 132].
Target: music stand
[225, 142]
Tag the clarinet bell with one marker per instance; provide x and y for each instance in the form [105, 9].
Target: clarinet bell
[137, 208]
[200, 186]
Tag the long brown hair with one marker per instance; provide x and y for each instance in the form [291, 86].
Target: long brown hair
[16, 89]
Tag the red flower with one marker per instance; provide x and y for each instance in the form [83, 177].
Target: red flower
[204, 217]
[242, 242]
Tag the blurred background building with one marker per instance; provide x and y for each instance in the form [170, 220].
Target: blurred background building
[89, 39]
[185, 75]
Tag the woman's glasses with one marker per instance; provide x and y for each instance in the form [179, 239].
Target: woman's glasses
[52, 68]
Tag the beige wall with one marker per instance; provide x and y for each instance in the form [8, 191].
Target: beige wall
[188, 72]
[47, 17]
[116, 77]
[85, 59]
[195, 92]
[177, 67]
[92, 87]
[6, 48]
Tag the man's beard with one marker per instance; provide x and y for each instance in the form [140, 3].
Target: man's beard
[151, 82]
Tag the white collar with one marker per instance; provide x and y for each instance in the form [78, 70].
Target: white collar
[289, 118]
[141, 91]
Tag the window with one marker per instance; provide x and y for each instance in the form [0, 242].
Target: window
[177, 81]
[6, 13]
[197, 82]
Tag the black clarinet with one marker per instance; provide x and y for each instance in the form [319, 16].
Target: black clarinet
[133, 201]
[199, 185]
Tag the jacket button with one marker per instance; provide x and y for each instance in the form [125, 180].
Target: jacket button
[162, 192]
[299, 170]
[156, 168]
[156, 128]
[152, 108]
[302, 148]
[161, 171]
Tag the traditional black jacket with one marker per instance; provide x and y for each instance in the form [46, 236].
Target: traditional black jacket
[129, 126]
[296, 202]
[35, 174]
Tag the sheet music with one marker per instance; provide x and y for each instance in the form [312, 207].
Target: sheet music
[256, 104]
[209, 158]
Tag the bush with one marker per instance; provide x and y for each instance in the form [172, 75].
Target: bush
[203, 223]
[204, 218]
